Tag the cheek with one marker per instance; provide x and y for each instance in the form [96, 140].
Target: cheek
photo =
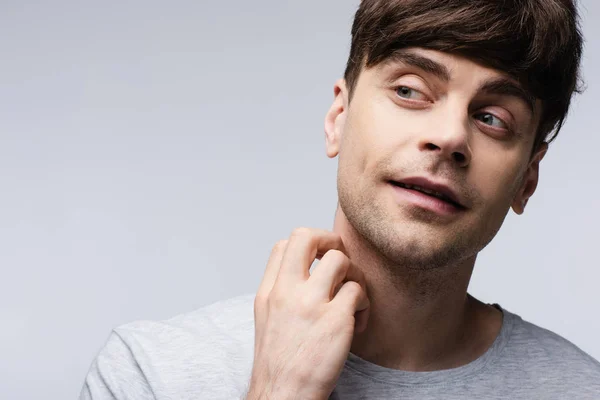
[352, 157]
[360, 146]
[498, 180]
[377, 133]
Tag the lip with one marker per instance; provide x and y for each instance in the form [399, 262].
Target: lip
[435, 186]
[421, 200]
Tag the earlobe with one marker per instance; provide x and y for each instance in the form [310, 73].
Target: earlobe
[530, 181]
[336, 119]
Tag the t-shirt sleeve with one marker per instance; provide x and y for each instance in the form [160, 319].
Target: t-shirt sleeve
[115, 374]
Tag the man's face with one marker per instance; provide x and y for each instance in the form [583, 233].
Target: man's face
[443, 118]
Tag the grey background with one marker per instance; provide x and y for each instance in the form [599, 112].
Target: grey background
[151, 154]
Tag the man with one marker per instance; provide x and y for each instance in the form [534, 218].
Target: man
[440, 123]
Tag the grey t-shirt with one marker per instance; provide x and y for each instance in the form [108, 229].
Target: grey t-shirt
[207, 354]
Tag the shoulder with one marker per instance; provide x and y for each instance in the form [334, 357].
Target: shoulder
[218, 323]
[552, 358]
[231, 315]
[547, 344]
[200, 350]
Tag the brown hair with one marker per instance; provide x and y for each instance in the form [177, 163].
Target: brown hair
[538, 42]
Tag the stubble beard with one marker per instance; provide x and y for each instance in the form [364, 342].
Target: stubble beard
[403, 250]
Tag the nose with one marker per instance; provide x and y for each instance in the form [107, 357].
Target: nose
[450, 139]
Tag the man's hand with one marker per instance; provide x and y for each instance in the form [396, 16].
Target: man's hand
[305, 322]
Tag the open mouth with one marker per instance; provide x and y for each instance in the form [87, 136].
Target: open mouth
[430, 193]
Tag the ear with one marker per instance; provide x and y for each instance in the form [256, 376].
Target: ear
[530, 181]
[336, 119]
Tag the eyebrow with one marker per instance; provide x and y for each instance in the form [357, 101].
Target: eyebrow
[498, 86]
[506, 87]
[421, 62]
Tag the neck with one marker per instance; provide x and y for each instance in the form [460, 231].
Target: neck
[419, 320]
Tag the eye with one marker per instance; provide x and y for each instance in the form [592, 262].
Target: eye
[410, 94]
[491, 120]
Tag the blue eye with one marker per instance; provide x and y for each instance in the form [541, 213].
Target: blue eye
[408, 93]
[491, 120]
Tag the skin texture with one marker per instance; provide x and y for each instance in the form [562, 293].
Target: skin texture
[305, 323]
[381, 135]
[403, 121]
[391, 283]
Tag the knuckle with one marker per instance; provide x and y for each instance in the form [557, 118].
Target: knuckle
[276, 299]
[304, 305]
[280, 246]
[298, 304]
[301, 232]
[260, 301]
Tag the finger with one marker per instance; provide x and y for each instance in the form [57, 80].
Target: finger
[328, 275]
[355, 274]
[351, 298]
[334, 269]
[304, 245]
[272, 269]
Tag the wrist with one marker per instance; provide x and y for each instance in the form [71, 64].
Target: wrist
[266, 391]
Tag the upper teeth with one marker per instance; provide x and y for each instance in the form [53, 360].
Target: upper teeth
[428, 191]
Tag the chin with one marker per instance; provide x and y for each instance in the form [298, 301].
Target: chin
[423, 251]
[411, 237]
[415, 244]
